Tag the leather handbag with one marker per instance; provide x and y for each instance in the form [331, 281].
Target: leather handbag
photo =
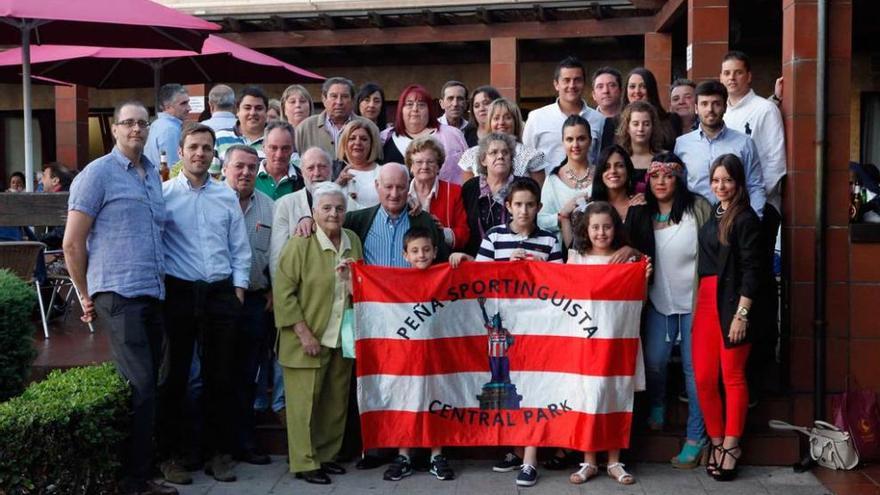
[830, 447]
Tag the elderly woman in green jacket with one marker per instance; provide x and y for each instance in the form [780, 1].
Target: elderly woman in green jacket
[311, 293]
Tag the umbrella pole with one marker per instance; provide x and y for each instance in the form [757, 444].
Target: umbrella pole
[26, 102]
[157, 69]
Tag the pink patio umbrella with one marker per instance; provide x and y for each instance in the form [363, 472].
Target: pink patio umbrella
[221, 60]
[125, 23]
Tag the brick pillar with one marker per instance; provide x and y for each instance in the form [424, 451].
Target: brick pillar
[799, 31]
[658, 59]
[72, 125]
[503, 67]
[197, 91]
[708, 31]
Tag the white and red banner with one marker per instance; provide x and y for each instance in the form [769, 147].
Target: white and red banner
[520, 353]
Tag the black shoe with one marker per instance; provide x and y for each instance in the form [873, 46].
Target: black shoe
[370, 462]
[558, 463]
[332, 468]
[527, 476]
[510, 462]
[149, 487]
[722, 474]
[316, 477]
[251, 457]
[400, 468]
[440, 468]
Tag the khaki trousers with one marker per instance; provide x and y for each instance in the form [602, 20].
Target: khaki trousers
[317, 405]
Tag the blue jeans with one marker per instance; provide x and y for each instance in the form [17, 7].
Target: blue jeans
[278, 400]
[661, 332]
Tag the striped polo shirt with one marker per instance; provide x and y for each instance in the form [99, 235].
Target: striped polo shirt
[500, 242]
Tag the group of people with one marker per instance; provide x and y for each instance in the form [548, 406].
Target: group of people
[240, 261]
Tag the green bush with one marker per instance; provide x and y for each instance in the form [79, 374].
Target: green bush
[62, 435]
[17, 300]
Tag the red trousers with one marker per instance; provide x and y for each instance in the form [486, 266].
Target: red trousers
[710, 358]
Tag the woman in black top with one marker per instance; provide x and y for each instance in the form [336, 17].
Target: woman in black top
[730, 281]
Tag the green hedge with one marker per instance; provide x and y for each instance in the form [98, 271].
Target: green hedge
[17, 300]
[62, 435]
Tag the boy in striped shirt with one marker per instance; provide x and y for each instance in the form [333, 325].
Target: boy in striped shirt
[521, 239]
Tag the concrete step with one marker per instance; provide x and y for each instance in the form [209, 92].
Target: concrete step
[762, 446]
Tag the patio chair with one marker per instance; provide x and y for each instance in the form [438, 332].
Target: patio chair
[63, 287]
[21, 259]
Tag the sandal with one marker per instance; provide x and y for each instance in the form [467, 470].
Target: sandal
[711, 461]
[722, 474]
[622, 476]
[583, 474]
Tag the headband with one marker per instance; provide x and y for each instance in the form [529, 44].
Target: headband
[666, 168]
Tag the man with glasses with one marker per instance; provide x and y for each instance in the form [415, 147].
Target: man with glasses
[115, 256]
[323, 130]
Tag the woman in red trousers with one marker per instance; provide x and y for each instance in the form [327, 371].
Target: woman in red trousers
[730, 275]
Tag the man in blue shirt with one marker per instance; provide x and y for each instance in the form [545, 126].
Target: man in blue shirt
[114, 253]
[165, 130]
[698, 149]
[208, 264]
[221, 102]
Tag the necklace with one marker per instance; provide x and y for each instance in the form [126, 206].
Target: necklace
[579, 182]
[719, 211]
[662, 218]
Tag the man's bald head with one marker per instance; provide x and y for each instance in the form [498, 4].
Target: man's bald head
[316, 166]
[392, 184]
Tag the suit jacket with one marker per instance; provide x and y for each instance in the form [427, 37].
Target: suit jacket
[360, 222]
[311, 132]
[740, 272]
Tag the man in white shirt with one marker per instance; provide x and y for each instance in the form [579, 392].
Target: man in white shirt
[762, 120]
[759, 118]
[453, 101]
[543, 130]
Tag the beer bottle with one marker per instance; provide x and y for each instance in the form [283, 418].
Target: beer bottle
[164, 171]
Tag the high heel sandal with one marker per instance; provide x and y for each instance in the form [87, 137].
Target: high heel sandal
[723, 474]
[711, 461]
[691, 455]
[583, 474]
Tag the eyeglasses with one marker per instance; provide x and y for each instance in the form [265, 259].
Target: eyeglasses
[415, 104]
[420, 163]
[130, 123]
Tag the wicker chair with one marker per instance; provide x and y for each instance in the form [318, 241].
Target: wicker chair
[21, 259]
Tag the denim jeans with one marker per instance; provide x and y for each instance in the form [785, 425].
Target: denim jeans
[661, 332]
[262, 394]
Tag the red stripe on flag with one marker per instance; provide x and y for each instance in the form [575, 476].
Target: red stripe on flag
[584, 356]
[448, 427]
[507, 280]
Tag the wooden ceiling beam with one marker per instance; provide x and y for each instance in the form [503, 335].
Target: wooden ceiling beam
[668, 14]
[328, 21]
[648, 4]
[630, 26]
[540, 12]
[430, 17]
[376, 19]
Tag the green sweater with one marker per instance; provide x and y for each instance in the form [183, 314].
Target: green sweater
[303, 291]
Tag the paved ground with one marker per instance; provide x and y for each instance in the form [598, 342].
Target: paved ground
[476, 477]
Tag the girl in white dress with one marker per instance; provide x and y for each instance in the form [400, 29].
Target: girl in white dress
[598, 234]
